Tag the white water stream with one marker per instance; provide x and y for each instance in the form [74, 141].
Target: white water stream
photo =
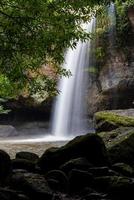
[70, 109]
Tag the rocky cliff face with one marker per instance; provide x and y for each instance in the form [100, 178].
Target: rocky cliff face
[114, 85]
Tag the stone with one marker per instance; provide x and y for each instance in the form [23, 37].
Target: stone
[86, 191]
[111, 137]
[115, 78]
[113, 96]
[77, 163]
[105, 126]
[122, 149]
[117, 187]
[32, 185]
[7, 131]
[58, 181]
[27, 156]
[5, 166]
[99, 171]
[8, 194]
[27, 108]
[79, 179]
[2, 197]
[23, 164]
[22, 197]
[89, 146]
[120, 145]
[123, 169]
[95, 196]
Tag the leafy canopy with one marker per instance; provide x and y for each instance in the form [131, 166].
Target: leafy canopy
[33, 33]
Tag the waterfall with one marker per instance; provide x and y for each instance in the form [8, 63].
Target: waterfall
[112, 24]
[112, 77]
[70, 109]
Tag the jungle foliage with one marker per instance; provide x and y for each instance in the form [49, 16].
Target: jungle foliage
[36, 33]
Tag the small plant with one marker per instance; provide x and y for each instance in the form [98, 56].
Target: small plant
[123, 24]
[100, 53]
[3, 111]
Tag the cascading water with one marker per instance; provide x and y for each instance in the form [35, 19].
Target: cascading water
[70, 110]
[111, 50]
[112, 24]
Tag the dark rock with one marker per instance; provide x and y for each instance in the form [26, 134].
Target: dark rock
[89, 146]
[55, 185]
[62, 196]
[116, 82]
[94, 196]
[110, 137]
[85, 192]
[99, 171]
[113, 96]
[79, 180]
[121, 146]
[22, 197]
[121, 149]
[3, 197]
[33, 185]
[123, 169]
[23, 164]
[112, 173]
[77, 163]
[105, 126]
[19, 171]
[57, 197]
[57, 180]
[26, 109]
[8, 194]
[117, 187]
[27, 156]
[5, 166]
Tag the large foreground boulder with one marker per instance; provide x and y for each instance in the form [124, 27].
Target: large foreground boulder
[90, 146]
[77, 170]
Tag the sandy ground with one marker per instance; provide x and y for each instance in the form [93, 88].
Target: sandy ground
[37, 146]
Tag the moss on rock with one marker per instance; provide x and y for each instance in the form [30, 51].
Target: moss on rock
[109, 120]
[120, 144]
[115, 118]
[111, 138]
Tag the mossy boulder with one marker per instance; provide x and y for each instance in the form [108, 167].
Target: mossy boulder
[109, 120]
[120, 144]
